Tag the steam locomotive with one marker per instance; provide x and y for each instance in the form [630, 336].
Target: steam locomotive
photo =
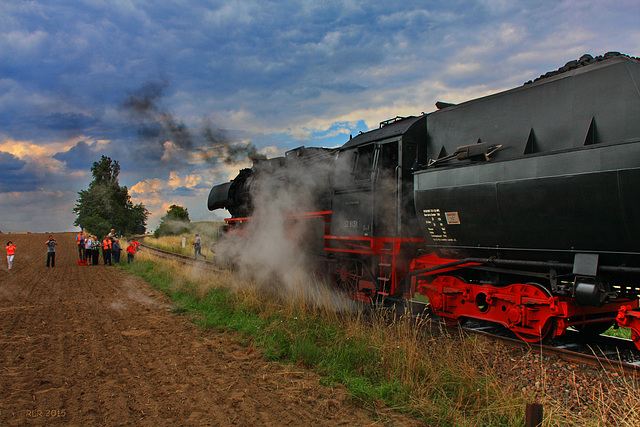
[520, 208]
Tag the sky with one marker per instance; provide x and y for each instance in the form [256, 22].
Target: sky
[180, 92]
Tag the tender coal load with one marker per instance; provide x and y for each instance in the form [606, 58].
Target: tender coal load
[584, 60]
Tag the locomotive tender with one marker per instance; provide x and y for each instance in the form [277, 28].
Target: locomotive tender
[520, 208]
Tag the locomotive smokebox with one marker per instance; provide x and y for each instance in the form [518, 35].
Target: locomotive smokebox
[219, 197]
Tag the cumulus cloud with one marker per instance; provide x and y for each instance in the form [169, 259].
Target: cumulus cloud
[10, 163]
[188, 181]
[80, 157]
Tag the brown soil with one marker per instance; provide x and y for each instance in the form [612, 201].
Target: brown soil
[94, 346]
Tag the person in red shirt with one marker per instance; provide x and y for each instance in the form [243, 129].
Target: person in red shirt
[11, 248]
[80, 243]
[131, 251]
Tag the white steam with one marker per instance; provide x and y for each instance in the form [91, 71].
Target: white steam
[275, 250]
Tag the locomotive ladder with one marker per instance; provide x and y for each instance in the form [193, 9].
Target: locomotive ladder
[386, 267]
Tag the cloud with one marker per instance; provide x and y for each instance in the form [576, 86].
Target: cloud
[158, 194]
[40, 211]
[20, 175]
[10, 163]
[79, 157]
[194, 90]
[187, 181]
[20, 45]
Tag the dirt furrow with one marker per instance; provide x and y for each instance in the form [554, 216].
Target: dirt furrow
[93, 346]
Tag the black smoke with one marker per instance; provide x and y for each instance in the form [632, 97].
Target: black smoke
[156, 127]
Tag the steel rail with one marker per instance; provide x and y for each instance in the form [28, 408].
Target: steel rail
[570, 349]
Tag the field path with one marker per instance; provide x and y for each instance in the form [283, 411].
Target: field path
[94, 346]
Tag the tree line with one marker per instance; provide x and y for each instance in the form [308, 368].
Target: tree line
[105, 205]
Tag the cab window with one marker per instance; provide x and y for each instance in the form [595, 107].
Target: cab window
[364, 163]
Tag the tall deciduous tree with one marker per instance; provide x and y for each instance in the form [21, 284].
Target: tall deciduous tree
[175, 221]
[106, 205]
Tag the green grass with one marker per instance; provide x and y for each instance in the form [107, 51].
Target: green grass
[377, 361]
[619, 332]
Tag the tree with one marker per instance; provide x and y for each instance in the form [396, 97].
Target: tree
[106, 205]
[175, 221]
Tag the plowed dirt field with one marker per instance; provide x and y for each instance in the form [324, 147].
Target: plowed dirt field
[94, 346]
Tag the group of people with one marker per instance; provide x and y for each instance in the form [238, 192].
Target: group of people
[89, 249]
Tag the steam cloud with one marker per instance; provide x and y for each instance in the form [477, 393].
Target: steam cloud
[157, 127]
[278, 252]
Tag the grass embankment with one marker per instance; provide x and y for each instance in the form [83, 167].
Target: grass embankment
[385, 363]
[174, 244]
[208, 232]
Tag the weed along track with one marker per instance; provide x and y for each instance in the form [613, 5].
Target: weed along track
[93, 345]
[576, 384]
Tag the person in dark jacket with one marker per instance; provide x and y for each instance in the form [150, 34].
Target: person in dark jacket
[51, 251]
[95, 250]
[115, 251]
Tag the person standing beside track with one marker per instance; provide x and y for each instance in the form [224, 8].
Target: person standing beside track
[80, 243]
[197, 245]
[131, 251]
[115, 251]
[87, 249]
[10, 253]
[106, 250]
[95, 250]
[51, 251]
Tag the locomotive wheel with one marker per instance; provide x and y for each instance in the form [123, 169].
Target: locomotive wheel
[547, 330]
[545, 334]
[449, 321]
[345, 276]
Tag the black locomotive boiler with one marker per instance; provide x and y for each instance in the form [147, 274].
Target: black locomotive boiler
[520, 208]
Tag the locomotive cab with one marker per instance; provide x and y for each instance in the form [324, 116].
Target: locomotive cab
[373, 220]
[372, 194]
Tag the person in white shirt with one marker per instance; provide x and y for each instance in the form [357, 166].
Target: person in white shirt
[197, 245]
[87, 249]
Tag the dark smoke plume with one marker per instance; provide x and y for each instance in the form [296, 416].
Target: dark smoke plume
[157, 126]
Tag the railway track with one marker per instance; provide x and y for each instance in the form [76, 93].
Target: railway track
[610, 353]
[182, 258]
[606, 352]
